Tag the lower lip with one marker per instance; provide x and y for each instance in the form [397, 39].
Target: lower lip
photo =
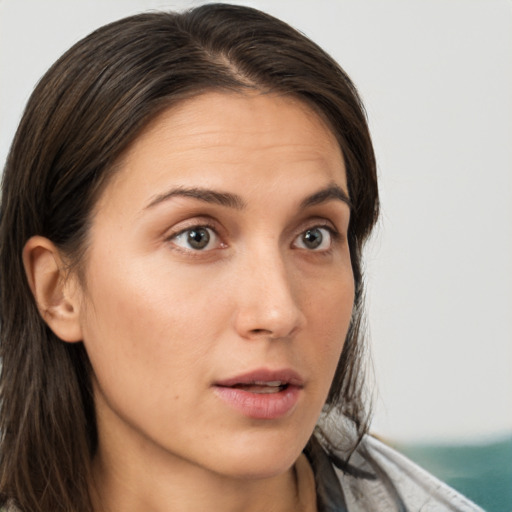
[262, 406]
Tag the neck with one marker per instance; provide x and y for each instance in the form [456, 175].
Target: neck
[121, 486]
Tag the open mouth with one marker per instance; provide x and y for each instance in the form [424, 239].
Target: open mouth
[261, 387]
[262, 394]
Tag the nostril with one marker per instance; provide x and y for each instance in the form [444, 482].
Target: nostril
[261, 331]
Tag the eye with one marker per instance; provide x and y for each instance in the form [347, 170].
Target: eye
[197, 238]
[315, 239]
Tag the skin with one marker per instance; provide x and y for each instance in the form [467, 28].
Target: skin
[162, 321]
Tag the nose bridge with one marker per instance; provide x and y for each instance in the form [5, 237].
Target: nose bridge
[268, 303]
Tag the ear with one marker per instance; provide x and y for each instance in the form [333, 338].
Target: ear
[56, 293]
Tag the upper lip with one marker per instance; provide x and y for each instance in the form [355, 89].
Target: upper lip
[262, 376]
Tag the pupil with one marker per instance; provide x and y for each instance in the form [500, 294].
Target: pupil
[312, 238]
[198, 238]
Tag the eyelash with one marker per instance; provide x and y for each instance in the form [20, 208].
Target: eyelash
[202, 225]
[333, 233]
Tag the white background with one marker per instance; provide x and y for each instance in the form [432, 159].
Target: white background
[436, 77]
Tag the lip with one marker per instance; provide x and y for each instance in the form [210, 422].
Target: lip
[264, 406]
[286, 375]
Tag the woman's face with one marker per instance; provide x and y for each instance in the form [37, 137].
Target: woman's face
[219, 286]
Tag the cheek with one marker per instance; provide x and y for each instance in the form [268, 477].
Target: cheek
[332, 303]
[330, 312]
[145, 319]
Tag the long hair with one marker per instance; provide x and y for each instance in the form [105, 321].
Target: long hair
[82, 116]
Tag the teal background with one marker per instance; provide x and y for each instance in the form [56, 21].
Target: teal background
[482, 472]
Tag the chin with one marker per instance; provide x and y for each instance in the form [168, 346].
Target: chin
[261, 458]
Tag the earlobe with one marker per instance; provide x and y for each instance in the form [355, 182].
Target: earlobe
[56, 293]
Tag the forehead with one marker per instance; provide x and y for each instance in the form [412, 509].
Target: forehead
[221, 138]
[209, 117]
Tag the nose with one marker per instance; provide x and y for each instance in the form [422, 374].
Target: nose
[267, 302]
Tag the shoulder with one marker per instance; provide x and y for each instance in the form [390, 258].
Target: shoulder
[418, 489]
[379, 478]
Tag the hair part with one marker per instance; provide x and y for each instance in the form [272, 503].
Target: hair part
[81, 118]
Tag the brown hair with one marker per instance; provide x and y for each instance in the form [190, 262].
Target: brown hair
[82, 116]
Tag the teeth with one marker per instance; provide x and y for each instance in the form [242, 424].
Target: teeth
[263, 387]
[273, 383]
[265, 390]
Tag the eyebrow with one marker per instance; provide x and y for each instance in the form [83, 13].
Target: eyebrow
[332, 191]
[230, 200]
[203, 194]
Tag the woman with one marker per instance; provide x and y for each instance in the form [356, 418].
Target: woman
[184, 209]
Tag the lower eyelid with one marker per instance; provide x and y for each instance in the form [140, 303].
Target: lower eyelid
[333, 235]
[217, 242]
